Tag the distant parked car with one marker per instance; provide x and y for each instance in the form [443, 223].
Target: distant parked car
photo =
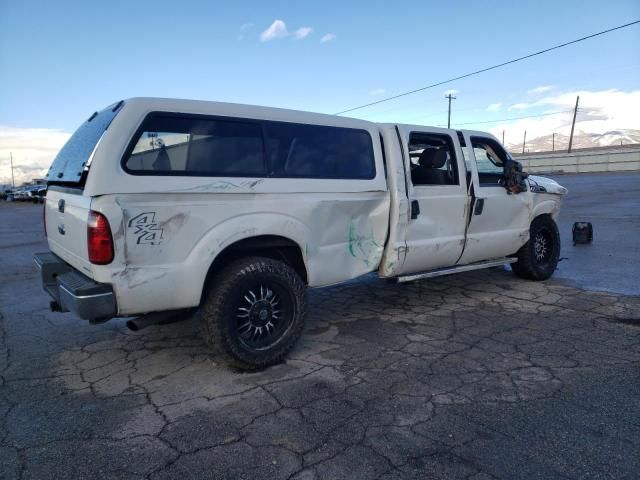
[19, 195]
[37, 194]
[33, 193]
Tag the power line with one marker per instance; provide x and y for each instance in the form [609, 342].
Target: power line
[515, 118]
[540, 52]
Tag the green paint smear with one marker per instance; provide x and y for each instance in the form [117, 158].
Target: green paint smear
[363, 247]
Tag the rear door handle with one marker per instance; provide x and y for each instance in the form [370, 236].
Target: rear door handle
[477, 210]
[415, 209]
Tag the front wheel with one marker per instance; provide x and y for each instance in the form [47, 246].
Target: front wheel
[538, 258]
[254, 314]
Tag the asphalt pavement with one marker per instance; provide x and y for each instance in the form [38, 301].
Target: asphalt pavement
[611, 202]
[474, 376]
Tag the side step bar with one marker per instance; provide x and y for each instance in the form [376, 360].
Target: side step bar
[462, 268]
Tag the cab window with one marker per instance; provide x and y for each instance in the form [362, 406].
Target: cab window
[433, 159]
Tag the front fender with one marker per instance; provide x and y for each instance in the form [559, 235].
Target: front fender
[546, 206]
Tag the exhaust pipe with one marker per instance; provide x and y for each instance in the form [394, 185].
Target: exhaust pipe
[157, 318]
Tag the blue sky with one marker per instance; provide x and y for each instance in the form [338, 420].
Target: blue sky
[62, 60]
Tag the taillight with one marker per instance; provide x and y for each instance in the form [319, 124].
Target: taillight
[99, 240]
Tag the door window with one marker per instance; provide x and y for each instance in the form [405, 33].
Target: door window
[433, 159]
[490, 158]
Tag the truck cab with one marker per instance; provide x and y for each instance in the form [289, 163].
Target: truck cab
[160, 205]
[454, 207]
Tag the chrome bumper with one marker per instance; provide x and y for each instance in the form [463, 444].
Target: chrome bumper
[74, 292]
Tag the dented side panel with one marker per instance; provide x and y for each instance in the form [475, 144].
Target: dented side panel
[165, 244]
[502, 228]
[396, 248]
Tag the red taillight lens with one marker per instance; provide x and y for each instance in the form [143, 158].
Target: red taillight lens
[99, 240]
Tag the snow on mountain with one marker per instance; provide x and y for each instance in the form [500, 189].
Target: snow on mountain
[580, 140]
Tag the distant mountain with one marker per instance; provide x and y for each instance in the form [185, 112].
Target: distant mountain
[580, 140]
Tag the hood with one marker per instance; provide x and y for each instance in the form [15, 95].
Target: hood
[549, 185]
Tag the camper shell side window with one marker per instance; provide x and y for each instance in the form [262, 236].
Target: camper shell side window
[197, 145]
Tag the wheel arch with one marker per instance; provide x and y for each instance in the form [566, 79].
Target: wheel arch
[546, 207]
[272, 246]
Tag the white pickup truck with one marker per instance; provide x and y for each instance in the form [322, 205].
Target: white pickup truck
[160, 205]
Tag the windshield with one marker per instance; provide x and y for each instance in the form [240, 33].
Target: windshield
[72, 158]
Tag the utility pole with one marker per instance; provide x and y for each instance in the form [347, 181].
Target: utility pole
[553, 142]
[524, 141]
[573, 124]
[450, 97]
[13, 182]
[502, 137]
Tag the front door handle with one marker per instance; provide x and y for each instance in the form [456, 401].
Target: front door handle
[477, 210]
[415, 209]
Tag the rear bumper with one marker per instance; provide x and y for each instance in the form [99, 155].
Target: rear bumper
[74, 292]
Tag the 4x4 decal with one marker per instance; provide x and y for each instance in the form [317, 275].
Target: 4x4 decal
[146, 229]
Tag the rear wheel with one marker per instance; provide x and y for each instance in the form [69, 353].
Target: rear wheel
[254, 313]
[538, 258]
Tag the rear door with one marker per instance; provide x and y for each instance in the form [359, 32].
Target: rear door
[437, 193]
[500, 220]
[66, 207]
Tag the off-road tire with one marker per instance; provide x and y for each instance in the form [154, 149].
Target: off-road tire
[219, 310]
[533, 262]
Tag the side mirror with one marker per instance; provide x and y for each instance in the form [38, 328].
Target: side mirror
[514, 177]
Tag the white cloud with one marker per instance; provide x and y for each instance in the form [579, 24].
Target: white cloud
[278, 29]
[599, 111]
[451, 92]
[244, 28]
[328, 38]
[303, 32]
[377, 91]
[540, 89]
[33, 151]
[494, 107]
[521, 106]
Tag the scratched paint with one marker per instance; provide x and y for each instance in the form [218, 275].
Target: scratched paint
[364, 246]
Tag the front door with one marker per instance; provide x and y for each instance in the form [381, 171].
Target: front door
[499, 223]
[438, 198]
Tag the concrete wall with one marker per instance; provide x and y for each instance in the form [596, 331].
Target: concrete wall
[614, 160]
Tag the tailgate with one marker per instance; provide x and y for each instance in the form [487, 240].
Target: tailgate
[66, 214]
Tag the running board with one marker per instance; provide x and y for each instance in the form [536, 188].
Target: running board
[462, 268]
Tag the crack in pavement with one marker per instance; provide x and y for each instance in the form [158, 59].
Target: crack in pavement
[478, 376]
